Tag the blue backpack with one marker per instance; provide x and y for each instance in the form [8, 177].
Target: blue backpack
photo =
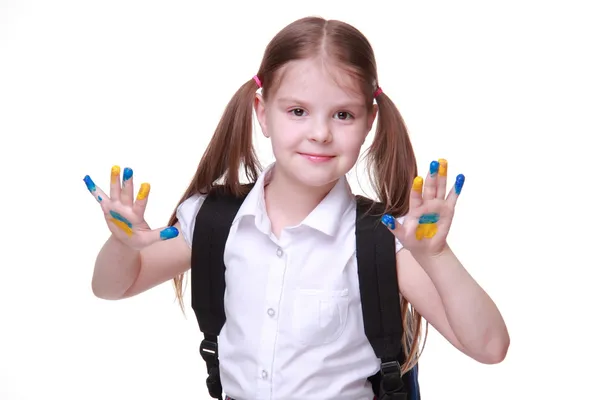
[380, 297]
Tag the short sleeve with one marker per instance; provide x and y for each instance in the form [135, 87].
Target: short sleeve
[186, 215]
[399, 245]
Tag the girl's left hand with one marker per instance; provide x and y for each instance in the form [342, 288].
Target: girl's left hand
[430, 213]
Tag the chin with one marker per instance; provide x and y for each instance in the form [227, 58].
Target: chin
[316, 174]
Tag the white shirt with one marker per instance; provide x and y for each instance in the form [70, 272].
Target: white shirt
[294, 327]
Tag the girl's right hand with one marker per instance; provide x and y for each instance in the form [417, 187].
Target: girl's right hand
[124, 216]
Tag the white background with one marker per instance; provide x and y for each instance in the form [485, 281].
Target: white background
[506, 91]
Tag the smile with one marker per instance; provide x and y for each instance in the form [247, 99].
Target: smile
[317, 157]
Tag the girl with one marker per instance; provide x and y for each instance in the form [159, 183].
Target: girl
[291, 248]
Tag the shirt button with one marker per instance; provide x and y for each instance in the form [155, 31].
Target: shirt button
[279, 252]
[264, 374]
[271, 312]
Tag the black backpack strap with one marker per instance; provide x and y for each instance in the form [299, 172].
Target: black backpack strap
[380, 296]
[211, 230]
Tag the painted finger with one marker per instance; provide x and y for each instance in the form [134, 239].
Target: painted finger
[157, 235]
[456, 190]
[393, 225]
[139, 207]
[430, 188]
[98, 194]
[115, 182]
[127, 187]
[442, 179]
[416, 193]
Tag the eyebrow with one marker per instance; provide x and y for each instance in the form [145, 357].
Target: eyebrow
[286, 100]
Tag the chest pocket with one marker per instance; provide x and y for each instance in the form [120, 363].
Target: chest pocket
[319, 316]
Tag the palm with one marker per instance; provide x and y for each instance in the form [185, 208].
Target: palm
[427, 223]
[123, 215]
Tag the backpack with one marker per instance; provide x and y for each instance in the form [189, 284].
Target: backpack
[380, 298]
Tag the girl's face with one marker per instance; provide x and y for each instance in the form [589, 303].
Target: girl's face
[317, 122]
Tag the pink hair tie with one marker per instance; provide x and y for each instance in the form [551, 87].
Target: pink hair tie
[378, 91]
[258, 82]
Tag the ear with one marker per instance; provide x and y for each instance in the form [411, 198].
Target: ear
[372, 116]
[261, 113]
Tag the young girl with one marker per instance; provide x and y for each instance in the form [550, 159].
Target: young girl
[294, 235]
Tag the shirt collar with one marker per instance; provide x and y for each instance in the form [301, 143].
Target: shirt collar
[326, 217]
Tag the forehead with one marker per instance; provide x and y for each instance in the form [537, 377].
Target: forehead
[316, 78]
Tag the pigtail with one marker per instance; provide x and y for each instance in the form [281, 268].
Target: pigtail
[229, 150]
[391, 159]
[392, 167]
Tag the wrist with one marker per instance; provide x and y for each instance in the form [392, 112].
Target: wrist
[431, 259]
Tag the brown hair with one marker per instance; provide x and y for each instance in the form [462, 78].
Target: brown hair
[390, 158]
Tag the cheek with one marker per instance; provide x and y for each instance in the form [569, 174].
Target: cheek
[352, 141]
[286, 134]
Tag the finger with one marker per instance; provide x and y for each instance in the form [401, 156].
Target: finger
[157, 235]
[442, 179]
[456, 190]
[416, 193]
[430, 188]
[98, 194]
[115, 182]
[127, 187]
[394, 226]
[139, 207]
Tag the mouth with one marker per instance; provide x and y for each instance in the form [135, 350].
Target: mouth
[317, 157]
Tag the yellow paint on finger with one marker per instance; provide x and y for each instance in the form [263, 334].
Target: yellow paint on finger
[115, 173]
[426, 231]
[443, 171]
[143, 192]
[123, 226]
[418, 184]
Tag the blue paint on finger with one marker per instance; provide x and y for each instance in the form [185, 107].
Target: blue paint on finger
[127, 174]
[89, 183]
[434, 167]
[458, 185]
[169, 233]
[389, 221]
[121, 218]
[99, 198]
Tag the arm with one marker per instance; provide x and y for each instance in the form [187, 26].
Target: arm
[444, 293]
[122, 272]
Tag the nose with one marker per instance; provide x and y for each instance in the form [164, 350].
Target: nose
[321, 133]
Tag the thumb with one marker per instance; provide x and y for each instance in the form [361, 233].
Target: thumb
[160, 234]
[394, 225]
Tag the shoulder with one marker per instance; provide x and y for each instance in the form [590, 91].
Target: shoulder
[186, 215]
[369, 206]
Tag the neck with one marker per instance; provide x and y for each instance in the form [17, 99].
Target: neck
[289, 203]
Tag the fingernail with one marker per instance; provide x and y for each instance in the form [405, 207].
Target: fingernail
[389, 221]
[169, 233]
[127, 174]
[430, 218]
[143, 192]
[418, 184]
[433, 167]
[115, 171]
[89, 183]
[458, 185]
[443, 171]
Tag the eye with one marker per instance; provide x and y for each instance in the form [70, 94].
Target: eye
[343, 115]
[298, 112]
